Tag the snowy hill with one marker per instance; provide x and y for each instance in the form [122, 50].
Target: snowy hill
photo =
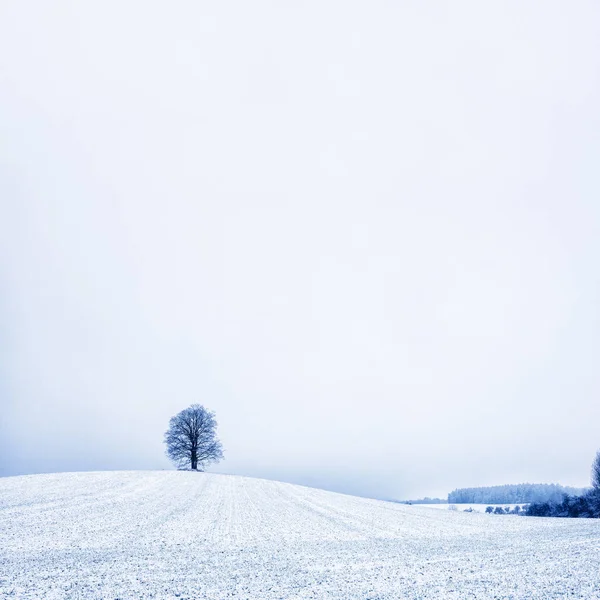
[195, 535]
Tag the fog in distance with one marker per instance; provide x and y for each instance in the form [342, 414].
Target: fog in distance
[365, 235]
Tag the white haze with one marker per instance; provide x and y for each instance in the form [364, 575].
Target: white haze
[365, 234]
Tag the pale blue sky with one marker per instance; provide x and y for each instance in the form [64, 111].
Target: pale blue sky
[365, 234]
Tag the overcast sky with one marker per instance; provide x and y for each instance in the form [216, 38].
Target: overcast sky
[367, 235]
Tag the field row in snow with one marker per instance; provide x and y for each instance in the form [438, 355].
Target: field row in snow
[191, 535]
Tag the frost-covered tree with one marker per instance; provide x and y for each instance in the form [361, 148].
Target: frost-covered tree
[596, 472]
[192, 438]
[586, 505]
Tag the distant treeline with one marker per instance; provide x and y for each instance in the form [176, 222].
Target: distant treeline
[425, 500]
[514, 494]
[585, 506]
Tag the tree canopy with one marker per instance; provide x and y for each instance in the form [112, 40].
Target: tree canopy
[596, 472]
[192, 439]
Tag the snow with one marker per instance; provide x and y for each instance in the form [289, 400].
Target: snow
[197, 535]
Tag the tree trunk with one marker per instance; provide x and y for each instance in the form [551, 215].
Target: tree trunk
[194, 460]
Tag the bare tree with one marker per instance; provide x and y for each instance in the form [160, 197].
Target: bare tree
[192, 439]
[596, 471]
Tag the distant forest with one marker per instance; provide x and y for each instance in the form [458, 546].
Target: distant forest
[425, 500]
[514, 494]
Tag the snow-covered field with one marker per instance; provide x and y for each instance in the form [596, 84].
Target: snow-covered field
[191, 535]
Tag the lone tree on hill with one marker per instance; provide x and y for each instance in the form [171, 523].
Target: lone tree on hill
[192, 440]
[596, 472]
